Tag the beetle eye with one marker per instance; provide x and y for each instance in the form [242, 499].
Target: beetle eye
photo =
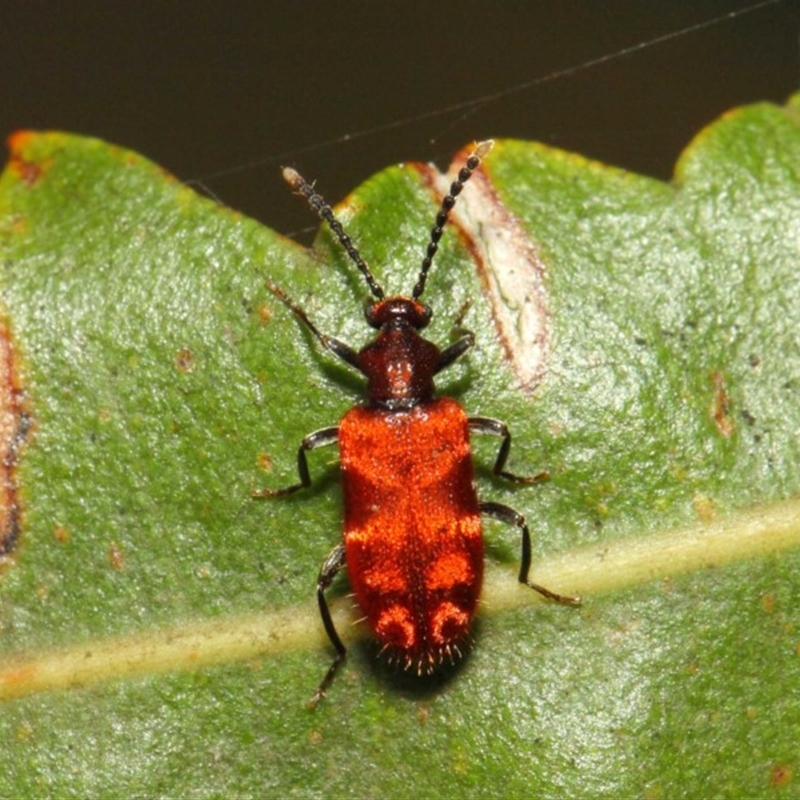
[372, 313]
[425, 318]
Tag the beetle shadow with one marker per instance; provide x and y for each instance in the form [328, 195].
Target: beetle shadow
[346, 379]
[457, 383]
[405, 682]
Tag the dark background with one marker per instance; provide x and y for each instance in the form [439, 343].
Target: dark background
[224, 92]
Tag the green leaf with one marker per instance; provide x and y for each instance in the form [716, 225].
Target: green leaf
[158, 632]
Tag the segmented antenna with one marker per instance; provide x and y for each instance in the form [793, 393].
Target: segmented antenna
[464, 174]
[302, 187]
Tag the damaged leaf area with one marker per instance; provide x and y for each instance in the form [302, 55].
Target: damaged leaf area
[158, 630]
[15, 424]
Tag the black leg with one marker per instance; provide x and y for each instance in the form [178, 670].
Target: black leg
[454, 351]
[511, 517]
[497, 428]
[337, 347]
[332, 564]
[320, 438]
[465, 340]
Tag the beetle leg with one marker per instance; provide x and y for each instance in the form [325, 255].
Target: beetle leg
[336, 346]
[497, 428]
[332, 564]
[511, 517]
[454, 351]
[320, 438]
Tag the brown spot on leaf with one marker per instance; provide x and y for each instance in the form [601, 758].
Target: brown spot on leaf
[28, 170]
[780, 775]
[704, 507]
[264, 313]
[184, 360]
[15, 424]
[115, 557]
[721, 406]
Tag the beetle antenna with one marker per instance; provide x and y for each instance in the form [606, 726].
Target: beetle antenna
[317, 202]
[464, 174]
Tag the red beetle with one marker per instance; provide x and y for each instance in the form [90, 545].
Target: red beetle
[412, 542]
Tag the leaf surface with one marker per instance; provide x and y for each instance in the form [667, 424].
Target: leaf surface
[158, 633]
